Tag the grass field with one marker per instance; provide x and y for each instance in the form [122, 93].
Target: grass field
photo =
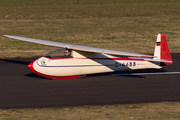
[127, 25]
[153, 111]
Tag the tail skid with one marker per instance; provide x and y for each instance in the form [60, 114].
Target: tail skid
[162, 50]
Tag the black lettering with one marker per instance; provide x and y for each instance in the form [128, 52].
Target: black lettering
[134, 64]
[127, 64]
[130, 64]
[116, 64]
[123, 64]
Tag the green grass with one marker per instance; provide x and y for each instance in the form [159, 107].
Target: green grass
[126, 25]
[150, 111]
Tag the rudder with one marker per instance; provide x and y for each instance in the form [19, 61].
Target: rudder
[162, 50]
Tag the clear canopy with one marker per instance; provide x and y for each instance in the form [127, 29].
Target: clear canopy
[59, 53]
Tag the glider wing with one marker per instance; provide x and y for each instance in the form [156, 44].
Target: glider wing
[77, 47]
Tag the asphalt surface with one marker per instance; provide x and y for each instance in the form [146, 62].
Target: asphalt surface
[20, 88]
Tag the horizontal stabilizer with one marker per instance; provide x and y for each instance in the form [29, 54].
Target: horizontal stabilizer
[160, 60]
[152, 60]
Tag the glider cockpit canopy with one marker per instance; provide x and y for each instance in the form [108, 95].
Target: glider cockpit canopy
[58, 53]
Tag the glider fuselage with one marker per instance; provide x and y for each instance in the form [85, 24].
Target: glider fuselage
[82, 63]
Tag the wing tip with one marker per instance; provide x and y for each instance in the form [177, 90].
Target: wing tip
[6, 36]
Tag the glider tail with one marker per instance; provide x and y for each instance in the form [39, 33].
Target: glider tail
[162, 50]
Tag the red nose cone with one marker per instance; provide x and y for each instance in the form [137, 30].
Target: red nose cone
[30, 66]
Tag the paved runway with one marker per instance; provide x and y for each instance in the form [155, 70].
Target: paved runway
[20, 88]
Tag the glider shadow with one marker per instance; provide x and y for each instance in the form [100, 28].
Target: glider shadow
[129, 73]
[24, 61]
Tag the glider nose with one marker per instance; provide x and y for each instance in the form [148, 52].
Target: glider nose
[30, 66]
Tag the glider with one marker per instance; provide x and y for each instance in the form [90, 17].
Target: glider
[73, 61]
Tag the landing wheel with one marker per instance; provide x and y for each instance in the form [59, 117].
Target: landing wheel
[83, 76]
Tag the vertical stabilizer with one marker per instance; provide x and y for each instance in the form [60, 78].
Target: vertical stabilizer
[162, 50]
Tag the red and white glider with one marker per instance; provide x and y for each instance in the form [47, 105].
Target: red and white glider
[89, 60]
